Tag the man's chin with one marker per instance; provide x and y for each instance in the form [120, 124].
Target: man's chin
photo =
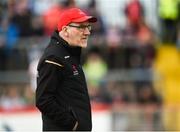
[84, 45]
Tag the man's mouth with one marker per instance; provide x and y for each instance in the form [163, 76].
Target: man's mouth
[84, 38]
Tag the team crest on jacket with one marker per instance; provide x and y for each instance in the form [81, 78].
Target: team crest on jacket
[75, 71]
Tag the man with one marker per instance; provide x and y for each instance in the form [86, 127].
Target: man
[61, 94]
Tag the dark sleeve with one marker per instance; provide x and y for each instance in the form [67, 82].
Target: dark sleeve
[48, 80]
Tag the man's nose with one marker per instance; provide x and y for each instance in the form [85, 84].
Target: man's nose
[87, 31]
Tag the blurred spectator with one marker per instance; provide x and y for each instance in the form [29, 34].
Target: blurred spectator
[37, 25]
[138, 37]
[136, 29]
[147, 95]
[137, 40]
[11, 29]
[168, 13]
[11, 8]
[122, 92]
[99, 27]
[9, 34]
[134, 12]
[150, 102]
[95, 68]
[12, 99]
[113, 40]
[51, 16]
[140, 57]
[113, 36]
[22, 18]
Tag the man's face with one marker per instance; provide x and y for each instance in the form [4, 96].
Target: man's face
[78, 34]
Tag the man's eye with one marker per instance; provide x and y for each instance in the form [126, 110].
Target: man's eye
[84, 26]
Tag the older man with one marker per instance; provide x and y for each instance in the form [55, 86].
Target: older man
[61, 94]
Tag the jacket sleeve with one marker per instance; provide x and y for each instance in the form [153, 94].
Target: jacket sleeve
[48, 80]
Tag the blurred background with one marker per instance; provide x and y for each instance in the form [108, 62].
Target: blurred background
[132, 62]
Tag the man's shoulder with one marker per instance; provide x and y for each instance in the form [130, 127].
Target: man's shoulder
[54, 49]
[51, 53]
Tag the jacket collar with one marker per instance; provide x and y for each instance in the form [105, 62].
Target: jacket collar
[71, 49]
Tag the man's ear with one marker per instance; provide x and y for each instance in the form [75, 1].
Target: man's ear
[65, 30]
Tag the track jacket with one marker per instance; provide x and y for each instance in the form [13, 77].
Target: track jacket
[61, 93]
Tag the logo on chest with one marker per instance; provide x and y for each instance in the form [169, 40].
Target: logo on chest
[75, 71]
